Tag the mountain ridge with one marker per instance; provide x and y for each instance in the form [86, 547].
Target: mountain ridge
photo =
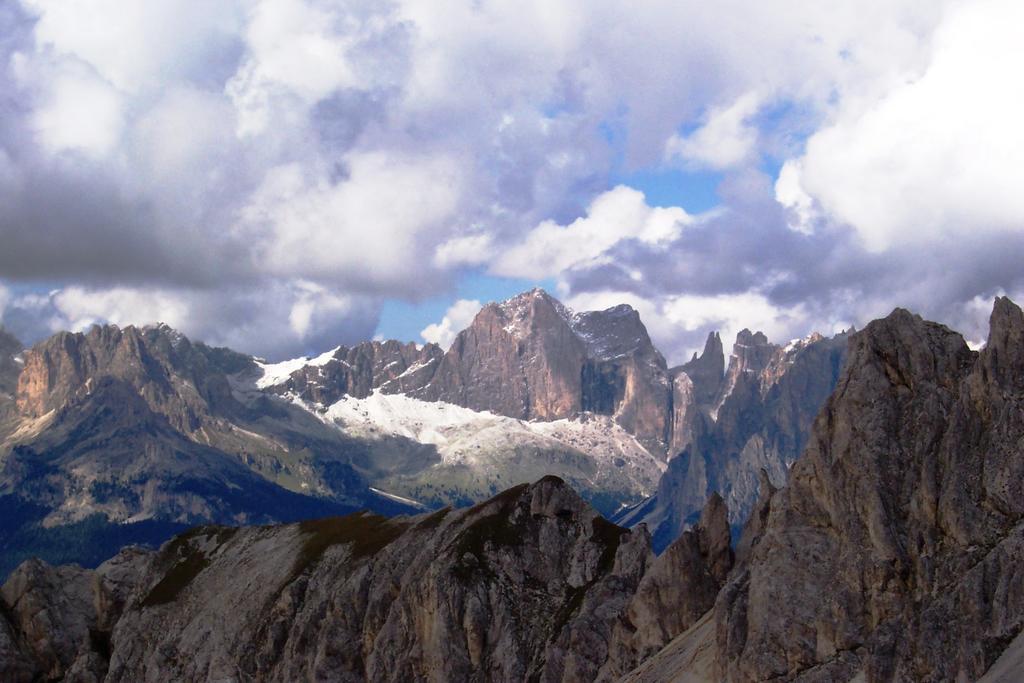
[585, 396]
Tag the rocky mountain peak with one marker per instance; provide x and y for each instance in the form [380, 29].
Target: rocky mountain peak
[707, 371]
[389, 366]
[752, 352]
[715, 537]
[747, 338]
[531, 584]
[1003, 356]
[615, 332]
[530, 312]
[177, 377]
[506, 590]
[756, 422]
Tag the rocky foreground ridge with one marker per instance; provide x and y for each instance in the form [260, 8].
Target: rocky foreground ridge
[530, 585]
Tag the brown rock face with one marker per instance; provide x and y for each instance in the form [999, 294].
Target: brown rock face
[530, 585]
[519, 358]
[695, 388]
[57, 620]
[530, 358]
[182, 381]
[707, 371]
[625, 375]
[893, 553]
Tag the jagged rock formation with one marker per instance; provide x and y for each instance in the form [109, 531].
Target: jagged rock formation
[757, 416]
[529, 359]
[150, 393]
[390, 366]
[532, 359]
[678, 589]
[140, 424]
[695, 388]
[894, 552]
[530, 585]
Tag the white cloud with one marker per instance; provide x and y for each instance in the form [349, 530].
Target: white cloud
[725, 139]
[180, 140]
[283, 320]
[314, 305]
[80, 113]
[136, 45]
[457, 318]
[293, 51]
[387, 147]
[81, 308]
[468, 250]
[369, 228]
[934, 157]
[618, 214]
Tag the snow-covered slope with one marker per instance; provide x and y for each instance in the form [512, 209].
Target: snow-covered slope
[276, 373]
[479, 451]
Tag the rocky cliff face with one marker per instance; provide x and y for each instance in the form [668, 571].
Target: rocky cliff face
[729, 428]
[530, 585]
[893, 553]
[519, 358]
[531, 358]
[390, 366]
[185, 383]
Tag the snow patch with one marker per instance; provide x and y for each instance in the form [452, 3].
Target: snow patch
[276, 373]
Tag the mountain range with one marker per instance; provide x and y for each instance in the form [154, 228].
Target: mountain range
[117, 436]
[892, 553]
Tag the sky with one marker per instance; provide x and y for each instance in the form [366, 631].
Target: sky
[283, 176]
